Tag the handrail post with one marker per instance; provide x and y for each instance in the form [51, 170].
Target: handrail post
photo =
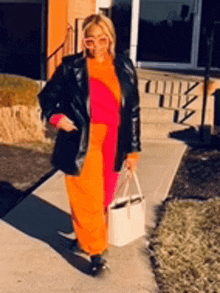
[210, 41]
[63, 49]
[76, 36]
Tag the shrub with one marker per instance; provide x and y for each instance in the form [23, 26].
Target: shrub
[20, 113]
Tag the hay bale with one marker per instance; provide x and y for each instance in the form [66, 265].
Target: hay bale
[20, 113]
[185, 247]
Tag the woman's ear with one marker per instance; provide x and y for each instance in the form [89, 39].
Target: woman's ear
[111, 48]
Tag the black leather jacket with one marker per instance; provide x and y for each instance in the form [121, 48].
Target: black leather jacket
[68, 92]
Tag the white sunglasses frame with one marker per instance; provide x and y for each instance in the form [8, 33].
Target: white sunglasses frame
[96, 40]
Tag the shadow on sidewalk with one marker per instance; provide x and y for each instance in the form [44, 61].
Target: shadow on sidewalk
[45, 222]
[9, 197]
[191, 136]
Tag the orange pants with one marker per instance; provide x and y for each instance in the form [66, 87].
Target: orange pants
[87, 196]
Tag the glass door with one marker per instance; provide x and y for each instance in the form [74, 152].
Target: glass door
[121, 17]
[169, 33]
[210, 15]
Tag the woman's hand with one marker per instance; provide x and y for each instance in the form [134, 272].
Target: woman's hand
[66, 124]
[131, 164]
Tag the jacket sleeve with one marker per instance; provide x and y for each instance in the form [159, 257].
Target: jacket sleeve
[135, 145]
[51, 97]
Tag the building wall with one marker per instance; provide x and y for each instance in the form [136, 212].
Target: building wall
[57, 30]
[57, 23]
[77, 11]
[80, 8]
[60, 15]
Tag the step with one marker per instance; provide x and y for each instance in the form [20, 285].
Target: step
[170, 86]
[168, 115]
[150, 100]
[160, 130]
[157, 115]
[165, 140]
[165, 75]
[171, 101]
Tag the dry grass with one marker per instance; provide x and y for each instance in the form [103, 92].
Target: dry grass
[20, 123]
[20, 114]
[185, 247]
[43, 147]
[18, 90]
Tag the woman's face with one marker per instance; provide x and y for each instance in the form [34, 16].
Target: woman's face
[96, 41]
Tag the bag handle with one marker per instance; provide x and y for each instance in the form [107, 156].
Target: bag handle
[134, 174]
[127, 183]
[124, 182]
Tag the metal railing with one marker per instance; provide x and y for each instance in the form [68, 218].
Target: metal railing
[78, 36]
[64, 49]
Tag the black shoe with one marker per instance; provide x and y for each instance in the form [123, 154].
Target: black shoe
[98, 266]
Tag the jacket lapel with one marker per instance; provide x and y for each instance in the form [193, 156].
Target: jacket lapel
[80, 72]
[119, 70]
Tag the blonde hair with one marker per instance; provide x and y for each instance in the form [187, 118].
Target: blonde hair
[107, 26]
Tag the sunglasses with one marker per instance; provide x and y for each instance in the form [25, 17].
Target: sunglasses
[91, 42]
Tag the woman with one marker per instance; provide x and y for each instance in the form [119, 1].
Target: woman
[93, 100]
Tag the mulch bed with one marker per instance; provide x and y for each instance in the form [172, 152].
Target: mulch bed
[184, 246]
[198, 176]
[23, 167]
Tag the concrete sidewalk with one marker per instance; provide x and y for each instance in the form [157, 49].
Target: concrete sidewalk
[35, 235]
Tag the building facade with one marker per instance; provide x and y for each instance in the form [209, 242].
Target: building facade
[170, 34]
[160, 34]
[36, 34]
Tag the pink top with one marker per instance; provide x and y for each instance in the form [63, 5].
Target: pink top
[55, 119]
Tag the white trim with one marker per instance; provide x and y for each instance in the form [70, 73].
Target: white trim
[142, 64]
[135, 11]
[196, 34]
[103, 4]
[177, 66]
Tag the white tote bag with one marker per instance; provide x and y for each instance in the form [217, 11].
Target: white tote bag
[127, 216]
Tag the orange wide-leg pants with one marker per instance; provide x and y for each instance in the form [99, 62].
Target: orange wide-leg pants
[87, 192]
